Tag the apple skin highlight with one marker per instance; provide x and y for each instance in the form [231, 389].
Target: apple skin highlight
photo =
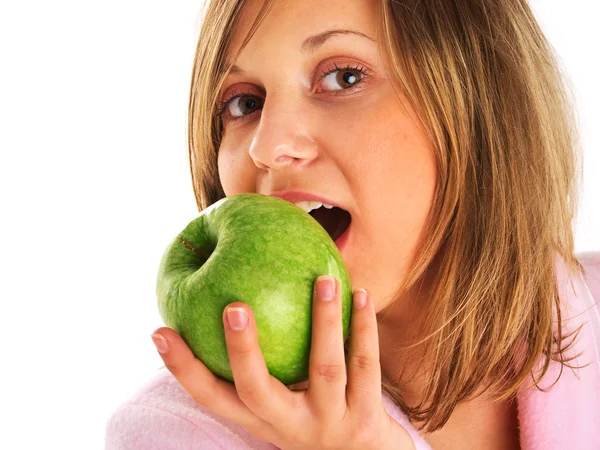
[259, 250]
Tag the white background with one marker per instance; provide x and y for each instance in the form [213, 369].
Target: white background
[94, 183]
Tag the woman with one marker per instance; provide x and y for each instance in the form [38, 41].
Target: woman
[444, 129]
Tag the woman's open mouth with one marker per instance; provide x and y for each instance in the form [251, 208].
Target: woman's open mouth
[335, 221]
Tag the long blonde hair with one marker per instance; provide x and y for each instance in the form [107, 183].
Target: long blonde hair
[488, 89]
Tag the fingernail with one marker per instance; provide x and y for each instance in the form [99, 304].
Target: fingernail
[161, 343]
[326, 288]
[360, 297]
[237, 318]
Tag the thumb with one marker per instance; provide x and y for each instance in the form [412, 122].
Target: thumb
[175, 353]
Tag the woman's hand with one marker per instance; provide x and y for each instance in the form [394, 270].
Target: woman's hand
[341, 409]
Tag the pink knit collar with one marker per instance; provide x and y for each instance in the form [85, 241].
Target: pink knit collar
[568, 415]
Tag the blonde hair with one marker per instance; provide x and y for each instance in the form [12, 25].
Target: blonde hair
[488, 89]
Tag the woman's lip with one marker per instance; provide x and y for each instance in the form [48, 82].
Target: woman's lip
[297, 196]
[341, 242]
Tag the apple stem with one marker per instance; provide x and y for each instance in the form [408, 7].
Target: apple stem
[194, 249]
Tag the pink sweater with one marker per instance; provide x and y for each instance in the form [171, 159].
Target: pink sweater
[163, 416]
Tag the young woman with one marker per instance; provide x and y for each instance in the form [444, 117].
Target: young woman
[445, 130]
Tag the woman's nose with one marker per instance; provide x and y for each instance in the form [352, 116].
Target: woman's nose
[282, 139]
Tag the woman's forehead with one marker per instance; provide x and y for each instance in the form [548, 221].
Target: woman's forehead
[290, 24]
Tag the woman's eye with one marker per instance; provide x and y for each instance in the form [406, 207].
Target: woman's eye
[341, 79]
[244, 105]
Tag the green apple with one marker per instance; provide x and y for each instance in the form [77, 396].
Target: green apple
[256, 249]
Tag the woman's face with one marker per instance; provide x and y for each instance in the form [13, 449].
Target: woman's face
[300, 124]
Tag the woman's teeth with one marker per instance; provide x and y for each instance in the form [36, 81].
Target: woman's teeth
[309, 206]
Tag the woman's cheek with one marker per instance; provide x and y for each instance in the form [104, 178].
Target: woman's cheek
[233, 172]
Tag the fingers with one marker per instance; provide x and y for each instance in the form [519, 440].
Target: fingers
[327, 365]
[364, 369]
[264, 395]
[207, 389]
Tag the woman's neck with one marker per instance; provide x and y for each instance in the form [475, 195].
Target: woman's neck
[476, 423]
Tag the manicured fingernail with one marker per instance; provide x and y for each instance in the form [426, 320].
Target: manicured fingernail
[161, 343]
[360, 297]
[237, 318]
[326, 288]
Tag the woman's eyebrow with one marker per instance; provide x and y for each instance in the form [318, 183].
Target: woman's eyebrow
[312, 43]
